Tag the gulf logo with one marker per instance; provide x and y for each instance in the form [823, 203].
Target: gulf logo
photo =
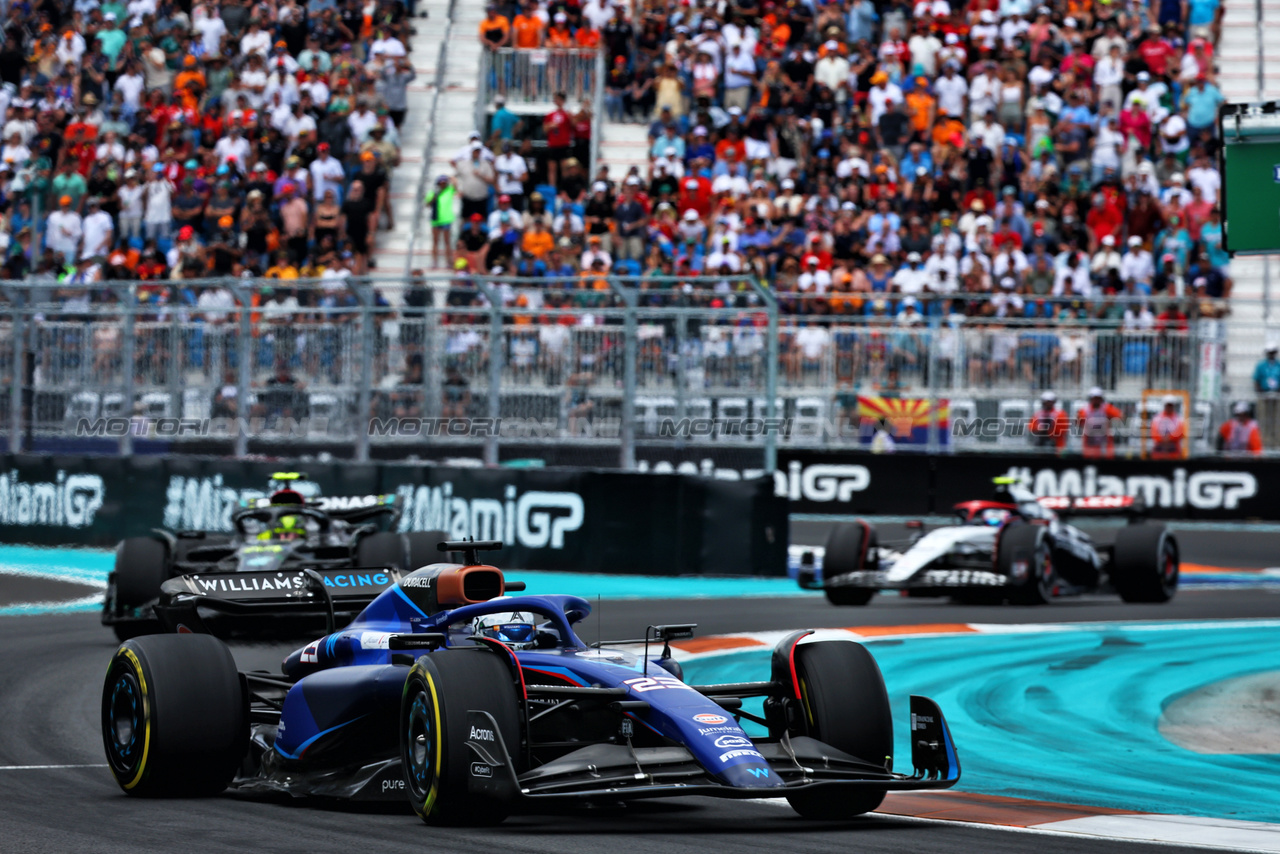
[710, 719]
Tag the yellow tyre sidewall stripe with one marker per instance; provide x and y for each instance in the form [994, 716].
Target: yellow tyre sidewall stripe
[128, 655]
[438, 745]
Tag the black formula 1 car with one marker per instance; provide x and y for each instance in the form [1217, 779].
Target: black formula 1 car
[475, 704]
[349, 548]
[1015, 548]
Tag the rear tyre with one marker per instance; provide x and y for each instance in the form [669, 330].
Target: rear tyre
[383, 548]
[847, 548]
[175, 719]
[441, 689]
[421, 546]
[1023, 556]
[141, 566]
[1145, 564]
[846, 706]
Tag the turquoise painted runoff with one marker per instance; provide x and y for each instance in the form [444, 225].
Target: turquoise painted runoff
[1071, 715]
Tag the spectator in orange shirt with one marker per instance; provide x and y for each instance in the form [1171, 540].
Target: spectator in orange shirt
[495, 29]
[587, 38]
[920, 107]
[1095, 420]
[537, 240]
[1049, 425]
[1168, 430]
[1240, 435]
[527, 28]
[189, 76]
[560, 35]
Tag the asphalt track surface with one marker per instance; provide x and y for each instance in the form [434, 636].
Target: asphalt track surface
[52, 669]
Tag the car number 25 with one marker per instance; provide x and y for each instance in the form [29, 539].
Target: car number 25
[654, 683]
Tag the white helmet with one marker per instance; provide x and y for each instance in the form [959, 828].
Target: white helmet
[513, 627]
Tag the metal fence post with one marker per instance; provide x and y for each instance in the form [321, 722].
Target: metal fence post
[771, 388]
[244, 376]
[368, 329]
[495, 372]
[627, 452]
[128, 359]
[19, 371]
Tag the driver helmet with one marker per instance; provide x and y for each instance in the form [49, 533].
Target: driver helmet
[288, 528]
[994, 516]
[513, 627]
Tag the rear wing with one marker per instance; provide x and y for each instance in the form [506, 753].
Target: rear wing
[1094, 505]
[270, 593]
[346, 507]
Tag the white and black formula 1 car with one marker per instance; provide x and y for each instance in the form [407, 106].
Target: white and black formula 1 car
[1015, 548]
[339, 551]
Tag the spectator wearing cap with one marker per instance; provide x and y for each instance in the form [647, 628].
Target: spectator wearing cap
[475, 177]
[64, 229]
[1168, 432]
[1096, 421]
[1049, 427]
[512, 172]
[1240, 435]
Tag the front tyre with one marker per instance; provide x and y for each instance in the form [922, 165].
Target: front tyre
[1023, 556]
[848, 548]
[845, 705]
[441, 689]
[175, 719]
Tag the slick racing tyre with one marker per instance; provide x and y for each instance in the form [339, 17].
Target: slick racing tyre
[1023, 556]
[441, 689]
[846, 706]
[1144, 564]
[141, 566]
[175, 717]
[405, 552]
[847, 548]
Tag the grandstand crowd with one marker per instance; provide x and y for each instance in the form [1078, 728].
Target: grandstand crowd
[148, 139]
[1000, 158]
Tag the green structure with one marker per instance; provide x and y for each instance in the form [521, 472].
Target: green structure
[1250, 166]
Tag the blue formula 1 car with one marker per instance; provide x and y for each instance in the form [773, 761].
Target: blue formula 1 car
[475, 704]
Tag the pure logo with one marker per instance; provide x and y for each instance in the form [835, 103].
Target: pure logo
[478, 734]
[393, 786]
[727, 741]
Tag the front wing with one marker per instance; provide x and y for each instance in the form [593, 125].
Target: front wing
[619, 772]
[939, 580]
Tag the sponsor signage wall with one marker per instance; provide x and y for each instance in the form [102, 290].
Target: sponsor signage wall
[587, 520]
[902, 484]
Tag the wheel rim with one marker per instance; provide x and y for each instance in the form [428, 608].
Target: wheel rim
[420, 750]
[123, 723]
[1045, 575]
[1169, 572]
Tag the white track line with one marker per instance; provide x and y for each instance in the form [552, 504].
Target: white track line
[47, 767]
[1251, 837]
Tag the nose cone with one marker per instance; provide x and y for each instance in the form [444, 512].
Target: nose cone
[751, 775]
